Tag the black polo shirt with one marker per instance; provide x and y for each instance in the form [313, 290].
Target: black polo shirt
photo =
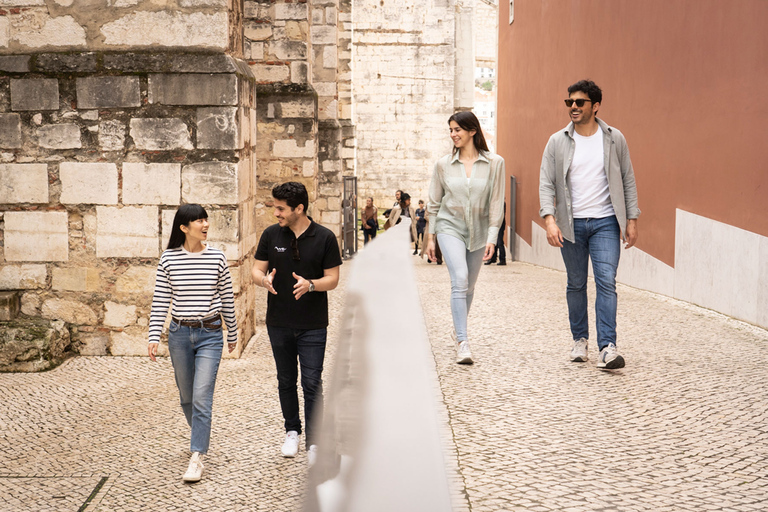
[317, 250]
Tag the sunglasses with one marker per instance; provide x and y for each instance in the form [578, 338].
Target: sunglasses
[295, 247]
[579, 102]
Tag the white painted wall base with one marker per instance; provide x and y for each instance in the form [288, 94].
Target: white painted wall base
[717, 266]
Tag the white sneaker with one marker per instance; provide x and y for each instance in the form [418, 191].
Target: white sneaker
[291, 445]
[609, 358]
[195, 470]
[312, 455]
[579, 351]
[463, 354]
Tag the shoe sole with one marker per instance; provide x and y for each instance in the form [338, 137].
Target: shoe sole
[191, 480]
[579, 359]
[465, 360]
[289, 456]
[617, 363]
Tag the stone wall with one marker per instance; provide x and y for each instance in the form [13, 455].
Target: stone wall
[403, 93]
[109, 119]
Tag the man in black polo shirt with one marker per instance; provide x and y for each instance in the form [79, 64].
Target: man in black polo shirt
[298, 261]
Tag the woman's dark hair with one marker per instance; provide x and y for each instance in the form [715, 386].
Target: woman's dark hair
[589, 88]
[468, 121]
[184, 215]
[293, 193]
[403, 198]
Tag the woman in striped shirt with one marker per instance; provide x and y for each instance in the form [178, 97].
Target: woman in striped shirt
[193, 281]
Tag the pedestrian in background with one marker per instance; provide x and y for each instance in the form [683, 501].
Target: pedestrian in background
[421, 223]
[297, 261]
[403, 209]
[370, 220]
[193, 280]
[465, 209]
[500, 251]
[587, 217]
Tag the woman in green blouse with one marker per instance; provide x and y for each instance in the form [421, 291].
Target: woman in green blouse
[466, 208]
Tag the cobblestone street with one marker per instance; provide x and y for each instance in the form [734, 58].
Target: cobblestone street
[683, 427]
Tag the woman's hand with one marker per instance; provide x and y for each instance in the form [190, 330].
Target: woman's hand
[231, 346]
[489, 250]
[152, 350]
[431, 249]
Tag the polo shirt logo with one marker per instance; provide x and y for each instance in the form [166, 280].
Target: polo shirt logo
[281, 249]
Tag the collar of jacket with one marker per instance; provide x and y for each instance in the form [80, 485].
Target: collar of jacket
[480, 156]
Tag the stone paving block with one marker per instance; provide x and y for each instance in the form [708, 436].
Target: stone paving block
[160, 134]
[209, 183]
[217, 128]
[130, 232]
[14, 63]
[88, 183]
[108, 92]
[10, 131]
[36, 236]
[59, 136]
[34, 94]
[151, 183]
[193, 89]
[23, 183]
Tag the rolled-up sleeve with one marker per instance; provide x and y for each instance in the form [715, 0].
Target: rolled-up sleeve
[496, 203]
[547, 181]
[436, 193]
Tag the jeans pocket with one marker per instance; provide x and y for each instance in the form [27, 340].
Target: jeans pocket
[173, 327]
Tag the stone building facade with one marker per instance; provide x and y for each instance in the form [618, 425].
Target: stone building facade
[114, 112]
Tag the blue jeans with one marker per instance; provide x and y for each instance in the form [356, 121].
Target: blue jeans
[599, 239]
[196, 354]
[308, 347]
[463, 267]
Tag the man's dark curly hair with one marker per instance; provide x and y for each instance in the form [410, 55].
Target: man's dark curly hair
[293, 193]
[589, 88]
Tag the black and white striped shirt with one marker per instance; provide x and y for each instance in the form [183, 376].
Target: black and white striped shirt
[195, 285]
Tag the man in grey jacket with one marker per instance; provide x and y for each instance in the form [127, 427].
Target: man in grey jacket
[588, 202]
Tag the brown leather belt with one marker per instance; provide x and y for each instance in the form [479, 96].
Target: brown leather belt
[213, 322]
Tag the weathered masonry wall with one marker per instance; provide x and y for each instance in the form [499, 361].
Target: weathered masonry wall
[300, 59]
[403, 93]
[110, 117]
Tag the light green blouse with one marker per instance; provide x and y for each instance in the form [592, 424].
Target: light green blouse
[471, 210]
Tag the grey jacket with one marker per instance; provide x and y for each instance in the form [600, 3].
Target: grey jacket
[554, 193]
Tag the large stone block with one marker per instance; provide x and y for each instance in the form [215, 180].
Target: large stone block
[23, 183]
[108, 92]
[160, 134]
[39, 30]
[88, 183]
[112, 135]
[71, 311]
[10, 132]
[92, 343]
[151, 183]
[132, 342]
[59, 136]
[129, 232]
[85, 62]
[304, 107]
[257, 31]
[209, 183]
[223, 233]
[13, 63]
[10, 305]
[29, 345]
[22, 277]
[270, 72]
[284, 11]
[289, 148]
[289, 50]
[36, 236]
[119, 315]
[75, 279]
[170, 29]
[136, 280]
[217, 128]
[34, 94]
[193, 89]
[323, 34]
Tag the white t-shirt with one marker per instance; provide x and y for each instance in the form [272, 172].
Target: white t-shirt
[590, 195]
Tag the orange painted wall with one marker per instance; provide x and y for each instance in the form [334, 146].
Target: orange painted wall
[686, 81]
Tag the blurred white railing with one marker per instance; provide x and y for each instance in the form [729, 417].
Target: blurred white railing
[379, 442]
